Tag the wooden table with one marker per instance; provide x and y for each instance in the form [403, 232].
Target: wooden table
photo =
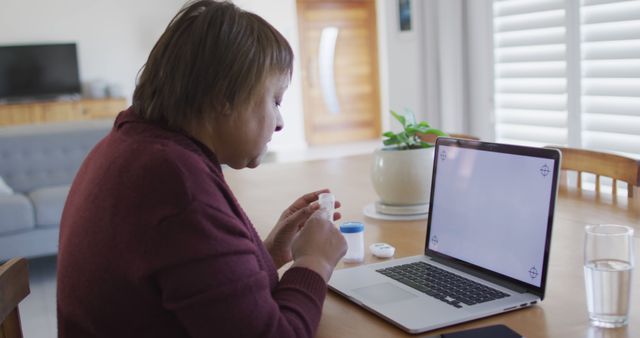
[266, 191]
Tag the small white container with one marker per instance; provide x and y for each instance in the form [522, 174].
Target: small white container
[353, 232]
[327, 205]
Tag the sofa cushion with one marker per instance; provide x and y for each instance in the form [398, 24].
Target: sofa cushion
[16, 213]
[4, 188]
[48, 203]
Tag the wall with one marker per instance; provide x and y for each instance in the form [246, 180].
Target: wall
[114, 37]
[442, 70]
[479, 19]
[282, 15]
[403, 64]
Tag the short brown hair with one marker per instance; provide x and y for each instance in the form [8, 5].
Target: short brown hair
[212, 57]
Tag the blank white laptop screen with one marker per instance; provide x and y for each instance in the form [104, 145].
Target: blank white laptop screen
[491, 210]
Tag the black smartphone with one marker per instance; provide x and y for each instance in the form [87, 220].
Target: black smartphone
[493, 331]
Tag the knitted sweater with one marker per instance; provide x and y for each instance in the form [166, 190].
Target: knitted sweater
[154, 244]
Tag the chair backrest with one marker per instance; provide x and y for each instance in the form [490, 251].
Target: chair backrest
[616, 167]
[432, 138]
[14, 287]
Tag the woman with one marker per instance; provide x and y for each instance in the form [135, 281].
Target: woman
[152, 241]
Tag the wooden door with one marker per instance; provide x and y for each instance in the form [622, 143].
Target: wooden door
[339, 58]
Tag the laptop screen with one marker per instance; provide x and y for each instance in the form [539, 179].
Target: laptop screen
[492, 206]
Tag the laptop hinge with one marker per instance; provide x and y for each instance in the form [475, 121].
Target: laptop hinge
[487, 277]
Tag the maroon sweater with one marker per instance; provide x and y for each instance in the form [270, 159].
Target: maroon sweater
[154, 244]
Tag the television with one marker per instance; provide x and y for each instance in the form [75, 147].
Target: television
[32, 72]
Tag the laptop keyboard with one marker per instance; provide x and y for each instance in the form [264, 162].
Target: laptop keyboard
[441, 284]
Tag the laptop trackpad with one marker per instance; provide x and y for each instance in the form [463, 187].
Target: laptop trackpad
[384, 293]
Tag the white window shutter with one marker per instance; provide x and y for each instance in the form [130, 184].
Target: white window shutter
[610, 51]
[530, 72]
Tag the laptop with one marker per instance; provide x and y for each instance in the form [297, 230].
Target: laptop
[487, 243]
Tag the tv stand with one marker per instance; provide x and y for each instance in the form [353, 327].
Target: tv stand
[60, 111]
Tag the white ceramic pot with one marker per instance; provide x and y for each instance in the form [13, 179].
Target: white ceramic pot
[402, 177]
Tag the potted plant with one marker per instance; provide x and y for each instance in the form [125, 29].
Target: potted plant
[401, 170]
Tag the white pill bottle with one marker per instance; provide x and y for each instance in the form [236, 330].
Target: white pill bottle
[327, 205]
[353, 232]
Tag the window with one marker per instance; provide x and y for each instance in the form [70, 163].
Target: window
[567, 72]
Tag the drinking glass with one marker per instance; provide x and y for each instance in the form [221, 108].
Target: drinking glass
[608, 266]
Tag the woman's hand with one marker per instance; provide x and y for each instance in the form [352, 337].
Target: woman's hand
[279, 241]
[319, 246]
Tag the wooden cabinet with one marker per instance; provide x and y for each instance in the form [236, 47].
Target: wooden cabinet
[59, 111]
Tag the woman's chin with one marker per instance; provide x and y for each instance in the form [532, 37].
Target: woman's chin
[256, 161]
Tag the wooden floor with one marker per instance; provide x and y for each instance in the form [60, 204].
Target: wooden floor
[38, 310]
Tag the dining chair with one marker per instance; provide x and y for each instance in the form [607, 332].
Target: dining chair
[616, 167]
[14, 287]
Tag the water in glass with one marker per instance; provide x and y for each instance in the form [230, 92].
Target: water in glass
[607, 285]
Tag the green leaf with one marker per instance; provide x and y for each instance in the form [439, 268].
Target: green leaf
[411, 130]
[422, 129]
[389, 134]
[408, 138]
[392, 139]
[402, 137]
[399, 118]
[389, 142]
[435, 131]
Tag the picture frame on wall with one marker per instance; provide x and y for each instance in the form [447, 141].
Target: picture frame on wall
[405, 19]
[405, 16]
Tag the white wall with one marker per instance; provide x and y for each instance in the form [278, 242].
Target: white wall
[479, 18]
[403, 65]
[442, 69]
[282, 14]
[114, 37]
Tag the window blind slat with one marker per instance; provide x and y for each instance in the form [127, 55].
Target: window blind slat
[611, 68]
[531, 85]
[531, 69]
[611, 87]
[611, 12]
[626, 49]
[616, 142]
[611, 105]
[506, 8]
[532, 101]
[543, 36]
[527, 21]
[604, 123]
[530, 53]
[599, 2]
[529, 133]
[628, 30]
[545, 118]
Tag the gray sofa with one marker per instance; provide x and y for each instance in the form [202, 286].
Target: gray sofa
[38, 162]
